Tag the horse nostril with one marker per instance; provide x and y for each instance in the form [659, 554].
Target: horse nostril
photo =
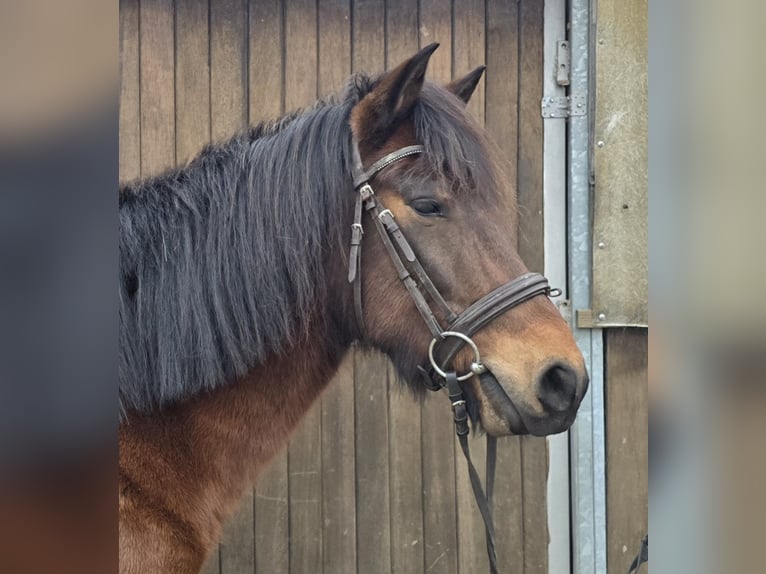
[557, 388]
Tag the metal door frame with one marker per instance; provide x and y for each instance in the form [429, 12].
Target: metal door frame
[576, 488]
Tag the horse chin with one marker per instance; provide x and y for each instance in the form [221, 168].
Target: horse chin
[501, 416]
[503, 407]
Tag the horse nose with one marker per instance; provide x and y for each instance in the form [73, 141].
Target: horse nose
[557, 388]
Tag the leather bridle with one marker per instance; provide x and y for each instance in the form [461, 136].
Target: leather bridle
[446, 343]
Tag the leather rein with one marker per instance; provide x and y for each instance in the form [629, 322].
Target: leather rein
[446, 342]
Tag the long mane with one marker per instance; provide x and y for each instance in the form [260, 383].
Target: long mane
[222, 262]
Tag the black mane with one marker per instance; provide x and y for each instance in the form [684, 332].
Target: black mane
[223, 261]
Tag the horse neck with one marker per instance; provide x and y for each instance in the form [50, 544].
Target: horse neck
[233, 256]
[199, 457]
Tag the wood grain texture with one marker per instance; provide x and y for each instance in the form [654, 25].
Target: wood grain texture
[529, 184]
[130, 99]
[406, 481]
[372, 469]
[501, 79]
[534, 450]
[192, 76]
[439, 496]
[213, 563]
[338, 473]
[228, 114]
[405, 457]
[266, 33]
[228, 67]
[305, 450]
[620, 286]
[334, 45]
[157, 69]
[502, 86]
[338, 413]
[627, 449]
[266, 101]
[469, 40]
[272, 533]
[469, 52]
[370, 373]
[236, 552]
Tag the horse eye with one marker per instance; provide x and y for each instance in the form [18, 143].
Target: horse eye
[427, 207]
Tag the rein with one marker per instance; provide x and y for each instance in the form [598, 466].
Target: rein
[446, 342]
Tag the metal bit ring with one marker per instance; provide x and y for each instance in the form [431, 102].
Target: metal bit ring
[476, 366]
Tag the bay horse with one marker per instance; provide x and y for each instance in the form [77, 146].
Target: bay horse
[238, 296]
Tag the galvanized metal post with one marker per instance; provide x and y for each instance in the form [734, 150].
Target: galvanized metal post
[555, 239]
[588, 464]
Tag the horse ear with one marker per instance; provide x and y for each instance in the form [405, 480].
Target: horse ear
[393, 96]
[464, 87]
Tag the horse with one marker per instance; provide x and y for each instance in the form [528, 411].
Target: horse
[244, 280]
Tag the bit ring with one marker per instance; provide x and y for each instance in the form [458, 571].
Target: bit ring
[477, 367]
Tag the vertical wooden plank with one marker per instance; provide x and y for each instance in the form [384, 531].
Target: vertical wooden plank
[469, 52]
[470, 47]
[406, 479]
[130, 102]
[265, 59]
[367, 38]
[530, 135]
[627, 450]
[228, 113]
[236, 552]
[192, 79]
[372, 478]
[338, 478]
[338, 439]
[405, 461]
[534, 452]
[272, 554]
[501, 79]
[439, 496]
[228, 67]
[305, 450]
[502, 120]
[213, 563]
[266, 89]
[370, 370]
[157, 86]
[305, 488]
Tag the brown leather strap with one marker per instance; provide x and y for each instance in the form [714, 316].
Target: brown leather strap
[488, 308]
[483, 502]
[387, 228]
[373, 207]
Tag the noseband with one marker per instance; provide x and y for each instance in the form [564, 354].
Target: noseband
[446, 342]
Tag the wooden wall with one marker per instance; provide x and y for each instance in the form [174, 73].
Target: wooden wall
[627, 448]
[373, 481]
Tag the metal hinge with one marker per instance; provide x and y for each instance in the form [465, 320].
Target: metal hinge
[562, 63]
[564, 106]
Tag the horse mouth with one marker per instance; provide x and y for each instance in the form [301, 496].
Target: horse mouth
[502, 403]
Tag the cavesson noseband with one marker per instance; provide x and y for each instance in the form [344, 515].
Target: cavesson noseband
[446, 343]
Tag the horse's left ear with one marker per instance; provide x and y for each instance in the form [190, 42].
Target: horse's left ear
[464, 87]
[392, 98]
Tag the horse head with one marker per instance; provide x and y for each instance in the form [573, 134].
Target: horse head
[449, 198]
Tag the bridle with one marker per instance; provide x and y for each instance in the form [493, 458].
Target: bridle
[446, 343]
